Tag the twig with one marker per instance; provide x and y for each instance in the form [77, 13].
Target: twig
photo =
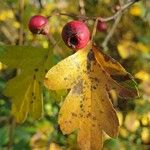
[81, 7]
[40, 3]
[111, 32]
[52, 41]
[123, 8]
[94, 29]
[21, 11]
[117, 18]
[11, 132]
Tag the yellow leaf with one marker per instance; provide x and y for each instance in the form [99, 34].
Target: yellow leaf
[136, 10]
[120, 117]
[126, 49]
[143, 75]
[90, 75]
[144, 120]
[70, 70]
[132, 122]
[1, 66]
[145, 135]
[123, 132]
[143, 47]
[54, 146]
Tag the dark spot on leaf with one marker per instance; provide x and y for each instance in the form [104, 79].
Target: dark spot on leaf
[90, 56]
[84, 71]
[93, 125]
[106, 87]
[94, 87]
[81, 115]
[31, 102]
[107, 58]
[74, 114]
[96, 79]
[36, 69]
[65, 78]
[81, 105]
[88, 66]
[94, 118]
[88, 115]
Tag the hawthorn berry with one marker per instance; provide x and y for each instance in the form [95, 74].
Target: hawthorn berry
[75, 34]
[101, 26]
[39, 25]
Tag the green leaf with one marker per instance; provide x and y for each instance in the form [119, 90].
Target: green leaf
[25, 88]
[3, 135]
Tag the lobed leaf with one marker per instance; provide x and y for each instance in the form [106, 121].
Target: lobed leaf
[25, 88]
[88, 108]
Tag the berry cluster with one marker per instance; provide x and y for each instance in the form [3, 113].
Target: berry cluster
[75, 34]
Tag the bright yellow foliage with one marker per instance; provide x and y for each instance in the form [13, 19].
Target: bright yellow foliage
[6, 14]
[142, 75]
[136, 10]
[90, 75]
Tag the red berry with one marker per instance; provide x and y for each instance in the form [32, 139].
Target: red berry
[76, 34]
[39, 25]
[101, 26]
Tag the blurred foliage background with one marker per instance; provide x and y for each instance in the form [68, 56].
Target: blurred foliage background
[130, 45]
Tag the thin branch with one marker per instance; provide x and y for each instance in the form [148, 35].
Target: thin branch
[123, 8]
[11, 133]
[51, 40]
[40, 4]
[81, 7]
[21, 11]
[94, 29]
[118, 16]
[111, 32]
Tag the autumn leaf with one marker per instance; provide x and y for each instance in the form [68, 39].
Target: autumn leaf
[90, 75]
[25, 88]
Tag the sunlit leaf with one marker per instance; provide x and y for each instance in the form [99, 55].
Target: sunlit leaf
[145, 135]
[136, 10]
[25, 88]
[132, 122]
[54, 146]
[90, 75]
